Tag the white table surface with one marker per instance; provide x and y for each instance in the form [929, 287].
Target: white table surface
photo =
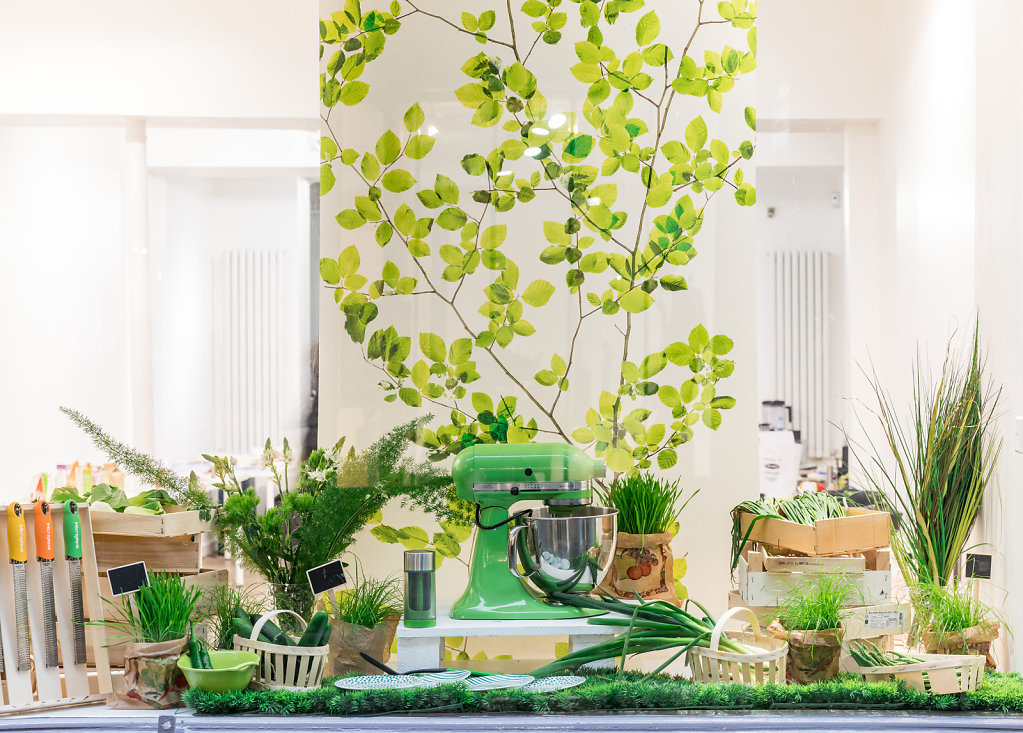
[447, 626]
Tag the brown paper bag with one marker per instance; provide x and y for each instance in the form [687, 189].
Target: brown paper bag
[974, 640]
[347, 640]
[813, 655]
[644, 564]
[152, 679]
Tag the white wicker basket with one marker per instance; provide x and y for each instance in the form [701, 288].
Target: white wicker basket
[709, 665]
[284, 667]
[939, 674]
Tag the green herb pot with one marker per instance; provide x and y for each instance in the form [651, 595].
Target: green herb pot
[231, 671]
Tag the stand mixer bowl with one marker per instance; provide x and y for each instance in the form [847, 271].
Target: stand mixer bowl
[564, 550]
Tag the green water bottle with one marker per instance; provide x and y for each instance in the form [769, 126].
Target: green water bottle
[420, 588]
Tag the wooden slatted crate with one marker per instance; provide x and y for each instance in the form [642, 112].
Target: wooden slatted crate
[767, 580]
[863, 529]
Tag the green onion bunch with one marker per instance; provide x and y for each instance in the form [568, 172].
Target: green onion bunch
[646, 504]
[650, 626]
[802, 509]
[868, 654]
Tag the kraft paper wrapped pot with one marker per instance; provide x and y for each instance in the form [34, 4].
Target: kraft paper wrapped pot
[814, 656]
[347, 640]
[152, 679]
[643, 564]
[974, 640]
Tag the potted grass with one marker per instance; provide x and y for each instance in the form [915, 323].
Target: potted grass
[811, 621]
[648, 510]
[364, 619]
[953, 621]
[155, 621]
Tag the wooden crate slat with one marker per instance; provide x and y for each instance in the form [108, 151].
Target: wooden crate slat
[171, 524]
[181, 554]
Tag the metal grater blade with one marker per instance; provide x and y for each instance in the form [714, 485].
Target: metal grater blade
[77, 609]
[1, 654]
[49, 614]
[21, 616]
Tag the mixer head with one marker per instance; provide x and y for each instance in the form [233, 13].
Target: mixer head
[500, 474]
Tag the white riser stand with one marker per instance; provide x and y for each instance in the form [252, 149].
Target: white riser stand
[424, 648]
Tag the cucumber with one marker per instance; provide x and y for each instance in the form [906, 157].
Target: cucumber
[314, 631]
[272, 632]
[242, 627]
[325, 639]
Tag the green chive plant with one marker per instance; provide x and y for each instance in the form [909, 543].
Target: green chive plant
[161, 611]
[646, 504]
[819, 607]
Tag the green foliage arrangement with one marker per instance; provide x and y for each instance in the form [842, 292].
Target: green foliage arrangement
[942, 460]
[1001, 693]
[369, 601]
[609, 259]
[951, 609]
[187, 492]
[217, 607]
[819, 607]
[104, 497]
[161, 611]
[336, 495]
[646, 504]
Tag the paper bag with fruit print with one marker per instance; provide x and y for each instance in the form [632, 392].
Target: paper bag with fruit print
[643, 564]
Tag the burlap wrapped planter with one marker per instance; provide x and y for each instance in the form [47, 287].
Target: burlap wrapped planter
[814, 656]
[974, 640]
[152, 679]
[347, 640]
[643, 564]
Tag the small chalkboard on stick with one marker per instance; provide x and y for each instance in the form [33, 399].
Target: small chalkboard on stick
[327, 577]
[127, 578]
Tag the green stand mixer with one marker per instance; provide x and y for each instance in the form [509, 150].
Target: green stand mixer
[565, 545]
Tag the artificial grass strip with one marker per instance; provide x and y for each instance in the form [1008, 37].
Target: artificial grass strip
[1001, 693]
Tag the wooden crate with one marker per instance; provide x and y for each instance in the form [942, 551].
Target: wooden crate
[204, 579]
[759, 586]
[862, 530]
[170, 542]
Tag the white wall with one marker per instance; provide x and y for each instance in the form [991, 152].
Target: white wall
[932, 200]
[721, 295]
[195, 59]
[64, 325]
[227, 65]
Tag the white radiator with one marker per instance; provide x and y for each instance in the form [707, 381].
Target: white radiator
[800, 290]
[248, 348]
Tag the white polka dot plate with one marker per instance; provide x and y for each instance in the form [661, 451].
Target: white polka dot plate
[550, 684]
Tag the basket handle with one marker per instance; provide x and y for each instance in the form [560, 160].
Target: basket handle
[727, 616]
[267, 616]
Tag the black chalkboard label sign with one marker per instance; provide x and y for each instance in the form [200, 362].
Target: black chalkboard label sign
[327, 577]
[127, 578]
[978, 566]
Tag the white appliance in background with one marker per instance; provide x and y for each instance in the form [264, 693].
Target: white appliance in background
[779, 463]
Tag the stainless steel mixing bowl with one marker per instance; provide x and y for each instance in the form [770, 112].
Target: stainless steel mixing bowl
[565, 550]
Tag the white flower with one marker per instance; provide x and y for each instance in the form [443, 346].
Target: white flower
[319, 476]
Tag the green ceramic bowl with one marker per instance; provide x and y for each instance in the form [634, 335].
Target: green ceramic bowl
[231, 671]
